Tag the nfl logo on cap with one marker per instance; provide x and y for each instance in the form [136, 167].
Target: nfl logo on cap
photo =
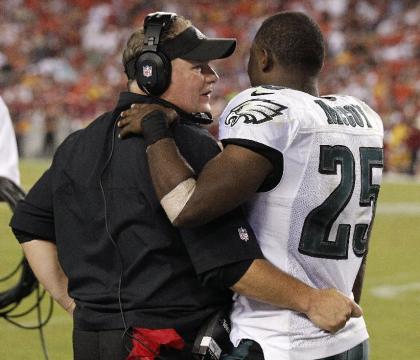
[243, 234]
[147, 71]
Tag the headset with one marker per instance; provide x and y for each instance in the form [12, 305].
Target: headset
[152, 67]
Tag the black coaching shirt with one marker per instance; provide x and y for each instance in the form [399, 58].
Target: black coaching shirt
[97, 204]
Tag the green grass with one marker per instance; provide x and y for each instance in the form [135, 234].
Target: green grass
[400, 192]
[16, 343]
[393, 322]
[393, 261]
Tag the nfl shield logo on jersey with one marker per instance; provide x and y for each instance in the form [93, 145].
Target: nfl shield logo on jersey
[243, 234]
[147, 71]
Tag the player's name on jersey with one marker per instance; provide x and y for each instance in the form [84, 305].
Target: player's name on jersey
[350, 115]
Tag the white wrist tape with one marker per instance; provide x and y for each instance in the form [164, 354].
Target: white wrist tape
[174, 201]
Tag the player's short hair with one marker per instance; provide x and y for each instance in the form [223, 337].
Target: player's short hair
[135, 43]
[294, 39]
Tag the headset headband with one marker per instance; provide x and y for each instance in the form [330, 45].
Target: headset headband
[153, 26]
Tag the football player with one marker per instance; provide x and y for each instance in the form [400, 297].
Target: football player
[308, 169]
[8, 149]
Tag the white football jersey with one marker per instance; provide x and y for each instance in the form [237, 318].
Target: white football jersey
[8, 149]
[314, 223]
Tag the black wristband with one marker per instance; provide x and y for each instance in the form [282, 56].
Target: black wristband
[155, 127]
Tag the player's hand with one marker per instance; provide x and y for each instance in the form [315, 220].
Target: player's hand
[330, 310]
[131, 119]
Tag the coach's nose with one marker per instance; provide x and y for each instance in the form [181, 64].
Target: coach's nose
[211, 74]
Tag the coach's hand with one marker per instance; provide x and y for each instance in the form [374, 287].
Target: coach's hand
[131, 119]
[69, 306]
[330, 310]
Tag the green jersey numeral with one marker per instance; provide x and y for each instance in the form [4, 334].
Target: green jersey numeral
[317, 226]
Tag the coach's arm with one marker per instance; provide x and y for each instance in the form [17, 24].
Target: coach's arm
[42, 257]
[328, 309]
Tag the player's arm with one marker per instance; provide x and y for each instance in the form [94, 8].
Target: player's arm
[42, 257]
[226, 181]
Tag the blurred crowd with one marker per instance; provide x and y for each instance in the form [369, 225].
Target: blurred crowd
[60, 60]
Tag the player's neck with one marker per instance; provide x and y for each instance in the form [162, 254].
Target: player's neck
[302, 83]
[310, 88]
[288, 78]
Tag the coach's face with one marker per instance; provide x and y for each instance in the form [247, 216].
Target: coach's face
[191, 85]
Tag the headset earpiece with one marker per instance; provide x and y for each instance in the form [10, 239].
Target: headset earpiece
[153, 68]
[153, 73]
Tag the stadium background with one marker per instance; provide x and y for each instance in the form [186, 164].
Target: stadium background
[60, 66]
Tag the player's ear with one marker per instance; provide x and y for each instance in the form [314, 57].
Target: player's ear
[266, 60]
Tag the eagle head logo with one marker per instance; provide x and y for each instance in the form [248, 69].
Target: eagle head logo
[254, 112]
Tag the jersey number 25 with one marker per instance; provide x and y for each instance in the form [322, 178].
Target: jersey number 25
[317, 227]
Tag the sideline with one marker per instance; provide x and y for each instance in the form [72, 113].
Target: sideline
[395, 178]
[393, 291]
[402, 208]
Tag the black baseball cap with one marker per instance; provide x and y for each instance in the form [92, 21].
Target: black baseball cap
[192, 44]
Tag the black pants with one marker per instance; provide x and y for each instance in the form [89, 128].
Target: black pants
[251, 350]
[112, 345]
[246, 350]
[359, 352]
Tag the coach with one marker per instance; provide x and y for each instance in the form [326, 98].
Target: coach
[98, 240]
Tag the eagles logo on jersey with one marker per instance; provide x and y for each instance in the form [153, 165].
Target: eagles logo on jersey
[254, 112]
